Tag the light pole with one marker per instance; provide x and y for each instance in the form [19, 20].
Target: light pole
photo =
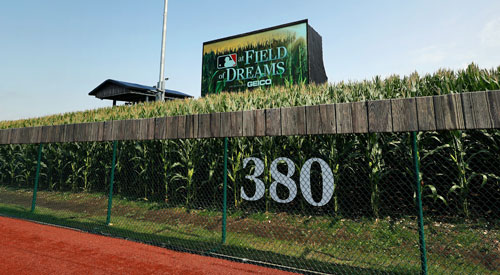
[161, 81]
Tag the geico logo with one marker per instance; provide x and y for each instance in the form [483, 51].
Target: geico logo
[257, 83]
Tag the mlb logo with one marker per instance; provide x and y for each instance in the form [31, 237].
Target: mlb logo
[226, 61]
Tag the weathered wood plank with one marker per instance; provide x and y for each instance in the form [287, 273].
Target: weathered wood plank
[196, 121]
[192, 126]
[122, 129]
[237, 124]
[14, 136]
[273, 122]
[494, 108]
[77, 132]
[9, 134]
[426, 116]
[69, 133]
[248, 123]
[35, 134]
[107, 134]
[116, 129]
[30, 135]
[215, 125]
[135, 130]
[476, 110]
[260, 123]
[172, 127]
[89, 132]
[38, 130]
[379, 116]
[17, 135]
[204, 125]
[225, 126]
[26, 134]
[327, 118]
[4, 136]
[56, 134]
[23, 135]
[146, 129]
[92, 132]
[231, 124]
[98, 130]
[141, 132]
[404, 115]
[46, 134]
[102, 131]
[313, 120]
[449, 112]
[293, 121]
[343, 117]
[160, 127]
[181, 126]
[360, 117]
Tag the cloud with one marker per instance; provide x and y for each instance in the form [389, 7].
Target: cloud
[490, 34]
[433, 54]
[479, 44]
[430, 54]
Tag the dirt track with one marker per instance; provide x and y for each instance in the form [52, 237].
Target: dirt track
[31, 248]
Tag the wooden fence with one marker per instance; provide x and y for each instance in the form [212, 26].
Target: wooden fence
[476, 110]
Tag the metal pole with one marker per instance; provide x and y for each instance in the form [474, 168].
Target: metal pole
[110, 198]
[37, 176]
[161, 82]
[421, 235]
[224, 203]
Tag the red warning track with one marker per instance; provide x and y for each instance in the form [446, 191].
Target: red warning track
[31, 248]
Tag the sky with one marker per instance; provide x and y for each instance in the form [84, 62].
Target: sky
[54, 52]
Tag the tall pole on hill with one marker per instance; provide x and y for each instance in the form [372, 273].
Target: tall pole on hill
[161, 82]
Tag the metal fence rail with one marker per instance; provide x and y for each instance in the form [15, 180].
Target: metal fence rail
[345, 203]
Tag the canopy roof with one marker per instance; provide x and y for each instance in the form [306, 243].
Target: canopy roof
[131, 92]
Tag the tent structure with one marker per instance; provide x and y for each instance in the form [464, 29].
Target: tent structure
[131, 92]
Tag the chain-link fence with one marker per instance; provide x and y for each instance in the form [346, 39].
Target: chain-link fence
[326, 203]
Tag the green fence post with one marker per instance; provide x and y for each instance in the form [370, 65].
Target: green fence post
[224, 203]
[37, 176]
[110, 198]
[421, 235]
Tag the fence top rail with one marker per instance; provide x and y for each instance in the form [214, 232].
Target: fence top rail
[473, 110]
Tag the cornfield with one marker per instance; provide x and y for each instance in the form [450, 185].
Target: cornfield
[460, 174]
[439, 83]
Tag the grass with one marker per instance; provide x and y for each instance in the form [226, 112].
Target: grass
[315, 243]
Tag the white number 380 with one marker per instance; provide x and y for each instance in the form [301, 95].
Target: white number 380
[287, 181]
